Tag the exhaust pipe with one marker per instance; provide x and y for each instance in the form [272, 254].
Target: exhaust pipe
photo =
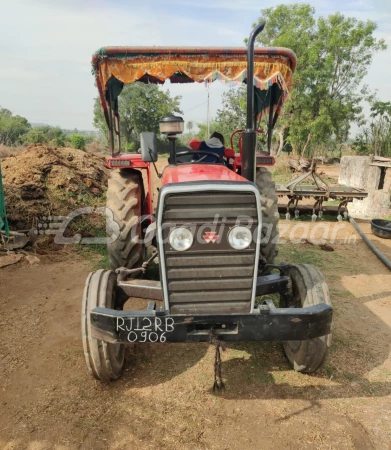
[249, 136]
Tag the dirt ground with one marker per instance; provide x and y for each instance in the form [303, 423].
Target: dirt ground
[164, 398]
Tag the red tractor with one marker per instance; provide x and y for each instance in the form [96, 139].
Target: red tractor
[214, 228]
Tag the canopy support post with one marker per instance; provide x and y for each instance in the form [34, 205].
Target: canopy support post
[249, 136]
[114, 125]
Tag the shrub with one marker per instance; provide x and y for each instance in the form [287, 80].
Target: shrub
[77, 141]
[45, 135]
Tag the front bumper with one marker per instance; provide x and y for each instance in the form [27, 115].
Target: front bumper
[267, 323]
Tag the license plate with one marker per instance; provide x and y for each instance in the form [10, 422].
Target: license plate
[145, 329]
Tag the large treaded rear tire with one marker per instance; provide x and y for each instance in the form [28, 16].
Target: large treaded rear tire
[104, 360]
[309, 288]
[124, 201]
[270, 216]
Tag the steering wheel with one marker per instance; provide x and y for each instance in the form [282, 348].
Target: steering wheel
[219, 159]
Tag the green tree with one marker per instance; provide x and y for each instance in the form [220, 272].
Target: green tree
[77, 141]
[232, 115]
[202, 133]
[45, 135]
[141, 107]
[12, 128]
[99, 121]
[375, 136]
[190, 126]
[334, 54]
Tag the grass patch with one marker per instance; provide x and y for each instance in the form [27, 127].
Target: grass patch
[310, 254]
[96, 253]
[153, 271]
[300, 256]
[332, 202]
[275, 297]
[282, 178]
[350, 377]
[90, 227]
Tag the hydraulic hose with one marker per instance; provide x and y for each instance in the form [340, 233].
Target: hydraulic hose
[380, 255]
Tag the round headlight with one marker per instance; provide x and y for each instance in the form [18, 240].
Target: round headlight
[181, 239]
[240, 238]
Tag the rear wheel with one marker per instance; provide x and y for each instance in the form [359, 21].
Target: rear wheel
[125, 195]
[309, 288]
[104, 360]
[270, 216]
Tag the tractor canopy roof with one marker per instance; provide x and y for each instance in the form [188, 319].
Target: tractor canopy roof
[115, 66]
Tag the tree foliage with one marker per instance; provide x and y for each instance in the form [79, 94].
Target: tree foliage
[190, 126]
[45, 135]
[16, 130]
[334, 54]
[375, 135]
[141, 107]
[232, 115]
[77, 141]
[12, 128]
[202, 133]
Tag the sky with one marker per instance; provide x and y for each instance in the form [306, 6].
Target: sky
[46, 48]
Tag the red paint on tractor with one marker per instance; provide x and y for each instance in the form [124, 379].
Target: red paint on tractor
[199, 172]
[135, 160]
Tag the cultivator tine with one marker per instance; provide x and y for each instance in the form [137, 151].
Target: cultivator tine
[344, 203]
[293, 201]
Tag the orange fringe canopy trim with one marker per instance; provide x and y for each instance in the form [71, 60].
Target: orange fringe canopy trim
[184, 65]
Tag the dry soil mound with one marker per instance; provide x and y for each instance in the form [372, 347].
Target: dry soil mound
[51, 181]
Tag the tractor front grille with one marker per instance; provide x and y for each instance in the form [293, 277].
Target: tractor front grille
[210, 277]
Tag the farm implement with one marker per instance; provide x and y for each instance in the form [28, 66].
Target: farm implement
[318, 190]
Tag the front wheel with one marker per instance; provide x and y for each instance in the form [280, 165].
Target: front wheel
[104, 360]
[309, 288]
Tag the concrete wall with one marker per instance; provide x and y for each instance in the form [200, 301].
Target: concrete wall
[356, 171]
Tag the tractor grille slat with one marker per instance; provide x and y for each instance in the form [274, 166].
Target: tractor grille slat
[209, 212]
[205, 272]
[211, 277]
[209, 284]
[210, 199]
[211, 260]
[215, 296]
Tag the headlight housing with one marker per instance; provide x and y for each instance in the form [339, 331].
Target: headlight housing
[181, 239]
[240, 237]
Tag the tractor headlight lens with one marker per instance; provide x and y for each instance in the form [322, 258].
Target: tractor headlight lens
[240, 237]
[181, 239]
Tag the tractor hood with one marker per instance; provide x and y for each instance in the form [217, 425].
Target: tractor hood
[199, 172]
